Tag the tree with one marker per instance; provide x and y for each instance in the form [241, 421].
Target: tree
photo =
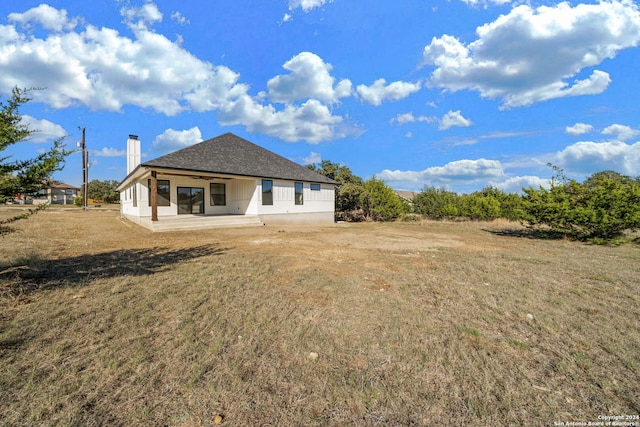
[103, 190]
[23, 176]
[491, 203]
[349, 186]
[380, 203]
[601, 208]
[479, 206]
[436, 203]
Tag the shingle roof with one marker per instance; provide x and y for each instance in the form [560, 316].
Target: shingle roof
[230, 154]
[408, 195]
[62, 185]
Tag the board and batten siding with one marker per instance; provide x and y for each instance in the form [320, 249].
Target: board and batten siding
[318, 206]
[243, 197]
[240, 197]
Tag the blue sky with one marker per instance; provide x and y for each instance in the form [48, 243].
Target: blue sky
[458, 94]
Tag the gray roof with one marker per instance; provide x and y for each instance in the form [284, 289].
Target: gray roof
[407, 195]
[62, 186]
[232, 155]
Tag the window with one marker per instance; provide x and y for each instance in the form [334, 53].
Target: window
[218, 194]
[135, 195]
[299, 193]
[164, 198]
[190, 200]
[315, 187]
[267, 192]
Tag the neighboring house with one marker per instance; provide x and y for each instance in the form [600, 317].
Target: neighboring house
[56, 193]
[406, 195]
[222, 177]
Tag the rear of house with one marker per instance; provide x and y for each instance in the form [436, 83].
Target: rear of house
[224, 176]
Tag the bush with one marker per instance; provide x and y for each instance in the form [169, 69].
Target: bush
[436, 203]
[380, 203]
[348, 197]
[356, 215]
[600, 209]
[479, 206]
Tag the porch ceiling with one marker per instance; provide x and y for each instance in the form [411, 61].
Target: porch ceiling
[143, 172]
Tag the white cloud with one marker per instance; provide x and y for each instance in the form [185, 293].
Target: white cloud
[453, 118]
[404, 118]
[449, 120]
[589, 157]
[310, 78]
[312, 158]
[287, 17]
[578, 129]
[306, 5]
[527, 55]
[408, 135]
[380, 91]
[141, 17]
[516, 184]
[179, 18]
[47, 16]
[108, 152]
[104, 70]
[44, 130]
[486, 3]
[311, 121]
[622, 132]
[460, 172]
[171, 139]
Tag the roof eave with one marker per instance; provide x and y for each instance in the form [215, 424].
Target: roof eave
[142, 169]
[131, 177]
[227, 174]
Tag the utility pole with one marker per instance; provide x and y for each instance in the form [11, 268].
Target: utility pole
[85, 171]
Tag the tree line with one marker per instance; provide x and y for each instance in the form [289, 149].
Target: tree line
[101, 192]
[602, 207]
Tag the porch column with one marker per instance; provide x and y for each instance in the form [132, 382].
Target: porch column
[154, 196]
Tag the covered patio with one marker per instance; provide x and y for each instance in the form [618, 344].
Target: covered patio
[196, 222]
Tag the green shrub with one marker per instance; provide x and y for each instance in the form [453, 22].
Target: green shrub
[380, 203]
[600, 209]
[436, 203]
[479, 206]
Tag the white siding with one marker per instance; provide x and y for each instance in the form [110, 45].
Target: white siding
[240, 197]
[243, 197]
[284, 195]
[126, 200]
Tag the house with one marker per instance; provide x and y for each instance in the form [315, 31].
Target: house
[225, 180]
[56, 193]
[406, 197]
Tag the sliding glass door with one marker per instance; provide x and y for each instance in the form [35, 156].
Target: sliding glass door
[190, 200]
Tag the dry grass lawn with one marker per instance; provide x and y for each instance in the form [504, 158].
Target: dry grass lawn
[400, 324]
